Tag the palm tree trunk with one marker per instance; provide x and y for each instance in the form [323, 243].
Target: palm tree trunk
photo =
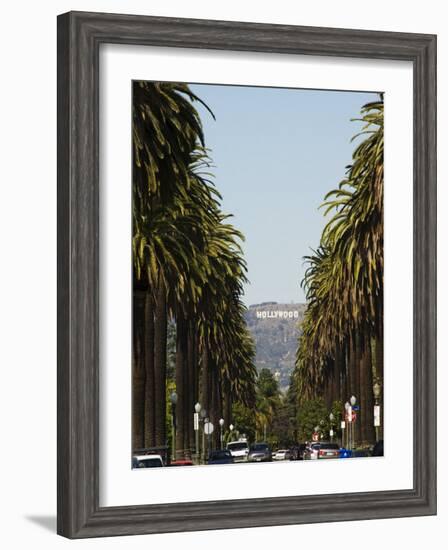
[149, 367]
[160, 333]
[337, 375]
[192, 388]
[227, 398]
[354, 381]
[327, 388]
[181, 387]
[138, 371]
[352, 367]
[379, 371]
[205, 380]
[215, 408]
[369, 430]
[357, 385]
[186, 399]
[345, 389]
[362, 413]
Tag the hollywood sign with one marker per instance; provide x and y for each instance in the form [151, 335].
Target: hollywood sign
[277, 314]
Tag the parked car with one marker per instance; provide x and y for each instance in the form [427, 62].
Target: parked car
[328, 450]
[321, 449]
[220, 457]
[239, 450]
[281, 454]
[311, 451]
[259, 452]
[378, 449]
[147, 461]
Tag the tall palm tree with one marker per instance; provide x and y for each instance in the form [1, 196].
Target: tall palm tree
[188, 261]
[344, 282]
[166, 133]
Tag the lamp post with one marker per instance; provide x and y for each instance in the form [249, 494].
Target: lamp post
[221, 425]
[331, 417]
[342, 432]
[353, 403]
[377, 409]
[348, 416]
[173, 400]
[231, 430]
[197, 410]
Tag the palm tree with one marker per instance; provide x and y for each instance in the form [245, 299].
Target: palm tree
[188, 264]
[166, 133]
[344, 283]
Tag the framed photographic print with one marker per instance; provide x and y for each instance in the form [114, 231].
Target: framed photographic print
[246, 274]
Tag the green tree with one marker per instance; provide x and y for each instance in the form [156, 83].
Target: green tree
[243, 422]
[311, 413]
[267, 402]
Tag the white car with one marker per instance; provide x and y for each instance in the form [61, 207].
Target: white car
[281, 454]
[239, 450]
[147, 461]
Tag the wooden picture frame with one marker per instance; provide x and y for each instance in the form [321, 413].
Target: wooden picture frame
[79, 38]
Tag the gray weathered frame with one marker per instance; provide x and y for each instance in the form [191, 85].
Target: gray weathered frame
[79, 38]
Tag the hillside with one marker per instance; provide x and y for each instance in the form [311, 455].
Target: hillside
[275, 329]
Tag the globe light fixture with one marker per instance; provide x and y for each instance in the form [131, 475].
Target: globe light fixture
[376, 390]
[173, 398]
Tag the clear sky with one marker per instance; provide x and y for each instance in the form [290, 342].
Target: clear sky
[277, 152]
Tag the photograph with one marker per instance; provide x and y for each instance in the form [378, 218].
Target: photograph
[257, 274]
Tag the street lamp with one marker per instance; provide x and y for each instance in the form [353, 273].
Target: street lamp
[322, 423]
[231, 430]
[173, 400]
[352, 403]
[221, 425]
[197, 409]
[377, 409]
[348, 416]
[331, 426]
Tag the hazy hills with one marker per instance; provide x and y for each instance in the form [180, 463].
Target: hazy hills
[275, 328]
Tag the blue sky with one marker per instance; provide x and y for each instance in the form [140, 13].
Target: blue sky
[276, 153]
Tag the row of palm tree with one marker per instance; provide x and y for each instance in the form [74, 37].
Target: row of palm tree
[188, 269]
[340, 350]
